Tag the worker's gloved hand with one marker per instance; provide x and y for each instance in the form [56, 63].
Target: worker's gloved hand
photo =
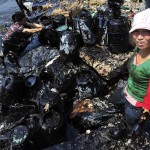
[46, 27]
[138, 128]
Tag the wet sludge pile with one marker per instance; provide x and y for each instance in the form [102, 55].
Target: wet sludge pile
[57, 96]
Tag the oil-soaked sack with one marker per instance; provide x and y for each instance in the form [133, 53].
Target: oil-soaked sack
[13, 90]
[118, 35]
[52, 127]
[83, 26]
[11, 59]
[70, 42]
[12, 120]
[87, 85]
[35, 60]
[59, 20]
[100, 27]
[49, 37]
[49, 100]
[107, 65]
[88, 120]
[46, 21]
[22, 138]
[61, 75]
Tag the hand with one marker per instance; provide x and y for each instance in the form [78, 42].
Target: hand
[45, 27]
[137, 129]
[145, 110]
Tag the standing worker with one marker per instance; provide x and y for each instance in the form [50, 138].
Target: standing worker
[23, 7]
[137, 91]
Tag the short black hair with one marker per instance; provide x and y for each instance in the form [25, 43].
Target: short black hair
[19, 16]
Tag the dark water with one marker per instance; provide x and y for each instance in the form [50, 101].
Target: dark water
[7, 7]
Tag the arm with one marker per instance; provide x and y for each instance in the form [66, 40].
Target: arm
[34, 28]
[34, 25]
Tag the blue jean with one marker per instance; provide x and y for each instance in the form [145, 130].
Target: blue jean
[33, 44]
[132, 114]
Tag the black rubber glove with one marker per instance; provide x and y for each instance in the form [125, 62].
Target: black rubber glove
[46, 27]
[138, 128]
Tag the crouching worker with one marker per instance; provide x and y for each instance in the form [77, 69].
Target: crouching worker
[16, 37]
[137, 90]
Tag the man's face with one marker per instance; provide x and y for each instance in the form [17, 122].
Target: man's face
[142, 38]
[24, 21]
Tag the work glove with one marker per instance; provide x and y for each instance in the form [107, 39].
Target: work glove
[46, 27]
[138, 128]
